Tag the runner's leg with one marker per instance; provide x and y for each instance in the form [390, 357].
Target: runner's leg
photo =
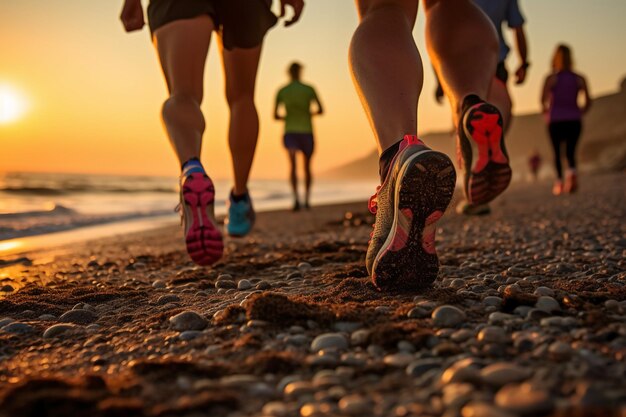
[307, 178]
[182, 47]
[387, 68]
[463, 46]
[293, 175]
[240, 68]
[499, 97]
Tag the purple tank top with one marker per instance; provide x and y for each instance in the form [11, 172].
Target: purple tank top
[564, 98]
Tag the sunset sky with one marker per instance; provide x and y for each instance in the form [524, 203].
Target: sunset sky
[92, 93]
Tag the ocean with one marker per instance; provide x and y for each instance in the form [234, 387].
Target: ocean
[34, 204]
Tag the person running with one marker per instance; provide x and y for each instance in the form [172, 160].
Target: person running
[296, 98]
[500, 12]
[559, 101]
[416, 182]
[181, 32]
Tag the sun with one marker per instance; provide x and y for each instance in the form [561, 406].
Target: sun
[12, 104]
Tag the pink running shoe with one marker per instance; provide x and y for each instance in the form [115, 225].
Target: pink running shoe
[204, 241]
[489, 174]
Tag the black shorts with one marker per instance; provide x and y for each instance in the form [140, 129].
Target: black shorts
[300, 142]
[241, 23]
[501, 72]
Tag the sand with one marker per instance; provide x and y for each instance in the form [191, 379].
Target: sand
[536, 323]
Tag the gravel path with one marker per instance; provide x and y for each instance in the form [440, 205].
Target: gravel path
[527, 318]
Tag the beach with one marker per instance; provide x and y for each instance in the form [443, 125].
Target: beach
[526, 318]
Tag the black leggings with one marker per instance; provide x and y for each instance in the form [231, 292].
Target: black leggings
[567, 132]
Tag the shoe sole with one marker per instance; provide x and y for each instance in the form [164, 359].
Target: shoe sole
[491, 174]
[204, 241]
[423, 191]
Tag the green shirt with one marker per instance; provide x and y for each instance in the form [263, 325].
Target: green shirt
[297, 97]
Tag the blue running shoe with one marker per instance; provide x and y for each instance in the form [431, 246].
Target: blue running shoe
[241, 216]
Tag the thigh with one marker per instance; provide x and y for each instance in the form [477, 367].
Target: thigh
[408, 6]
[183, 46]
[240, 69]
[556, 132]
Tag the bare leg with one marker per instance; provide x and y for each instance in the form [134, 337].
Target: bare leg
[387, 68]
[499, 97]
[240, 68]
[463, 46]
[293, 175]
[307, 180]
[182, 47]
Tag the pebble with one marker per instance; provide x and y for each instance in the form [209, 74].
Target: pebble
[500, 374]
[547, 304]
[462, 335]
[167, 298]
[58, 329]
[6, 288]
[304, 266]
[5, 320]
[158, 284]
[18, 328]
[464, 370]
[188, 320]
[482, 409]
[355, 405]
[492, 334]
[560, 351]
[418, 313]
[398, 360]
[329, 341]
[524, 399]
[500, 318]
[224, 284]
[447, 316]
[544, 291]
[420, 367]
[359, 337]
[78, 316]
[244, 284]
[276, 409]
[189, 335]
[492, 300]
[298, 389]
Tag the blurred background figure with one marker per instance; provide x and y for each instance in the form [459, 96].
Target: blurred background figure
[559, 101]
[534, 163]
[500, 12]
[296, 98]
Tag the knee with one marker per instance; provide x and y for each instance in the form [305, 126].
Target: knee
[180, 100]
[236, 97]
[181, 105]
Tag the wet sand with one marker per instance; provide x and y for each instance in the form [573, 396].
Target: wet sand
[527, 318]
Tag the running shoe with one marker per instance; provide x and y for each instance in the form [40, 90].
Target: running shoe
[481, 130]
[473, 210]
[241, 216]
[557, 188]
[571, 182]
[414, 195]
[202, 237]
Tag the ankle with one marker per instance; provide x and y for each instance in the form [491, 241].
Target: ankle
[384, 162]
[192, 166]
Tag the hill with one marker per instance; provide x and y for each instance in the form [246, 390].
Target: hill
[602, 146]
